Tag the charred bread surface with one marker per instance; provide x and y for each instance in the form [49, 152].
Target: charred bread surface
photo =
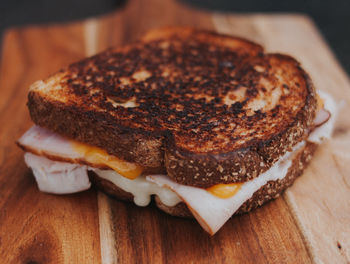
[210, 108]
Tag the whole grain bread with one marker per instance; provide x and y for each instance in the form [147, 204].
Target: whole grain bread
[269, 191]
[211, 108]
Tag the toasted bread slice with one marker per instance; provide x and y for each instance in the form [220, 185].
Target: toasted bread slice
[210, 108]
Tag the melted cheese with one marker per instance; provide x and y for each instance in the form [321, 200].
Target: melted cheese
[320, 102]
[140, 188]
[224, 191]
[95, 155]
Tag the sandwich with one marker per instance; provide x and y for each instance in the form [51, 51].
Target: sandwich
[207, 125]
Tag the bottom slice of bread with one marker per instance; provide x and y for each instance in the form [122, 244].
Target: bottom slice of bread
[269, 191]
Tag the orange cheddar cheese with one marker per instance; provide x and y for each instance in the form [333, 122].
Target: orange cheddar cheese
[224, 190]
[98, 156]
[320, 103]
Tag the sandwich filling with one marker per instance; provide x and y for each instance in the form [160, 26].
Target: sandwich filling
[61, 166]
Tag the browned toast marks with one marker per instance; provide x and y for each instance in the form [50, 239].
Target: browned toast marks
[211, 108]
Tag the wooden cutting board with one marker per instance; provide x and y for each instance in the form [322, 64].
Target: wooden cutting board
[309, 223]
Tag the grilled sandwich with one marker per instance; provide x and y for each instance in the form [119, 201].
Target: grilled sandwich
[208, 124]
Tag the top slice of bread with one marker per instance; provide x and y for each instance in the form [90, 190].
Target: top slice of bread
[210, 108]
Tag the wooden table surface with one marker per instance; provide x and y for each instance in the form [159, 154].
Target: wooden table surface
[309, 223]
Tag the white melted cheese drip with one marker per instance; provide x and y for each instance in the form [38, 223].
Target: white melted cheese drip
[140, 188]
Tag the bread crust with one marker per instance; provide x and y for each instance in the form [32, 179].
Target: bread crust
[269, 191]
[198, 148]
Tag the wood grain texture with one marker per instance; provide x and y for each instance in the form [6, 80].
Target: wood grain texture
[107, 240]
[36, 227]
[138, 16]
[147, 235]
[310, 223]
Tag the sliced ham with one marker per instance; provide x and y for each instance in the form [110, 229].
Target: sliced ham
[57, 177]
[44, 142]
[322, 116]
[324, 120]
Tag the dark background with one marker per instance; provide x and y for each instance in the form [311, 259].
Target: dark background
[332, 17]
